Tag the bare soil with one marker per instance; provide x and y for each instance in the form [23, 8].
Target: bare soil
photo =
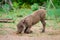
[8, 32]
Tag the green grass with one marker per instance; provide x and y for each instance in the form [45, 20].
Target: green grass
[24, 12]
[3, 32]
[1, 26]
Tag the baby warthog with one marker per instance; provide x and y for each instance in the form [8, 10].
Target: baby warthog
[25, 24]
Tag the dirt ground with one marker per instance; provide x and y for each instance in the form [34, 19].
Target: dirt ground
[7, 32]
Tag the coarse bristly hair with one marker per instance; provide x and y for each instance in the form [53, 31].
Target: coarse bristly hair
[35, 17]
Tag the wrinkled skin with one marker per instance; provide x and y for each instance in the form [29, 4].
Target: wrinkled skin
[25, 24]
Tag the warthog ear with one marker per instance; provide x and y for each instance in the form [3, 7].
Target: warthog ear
[24, 22]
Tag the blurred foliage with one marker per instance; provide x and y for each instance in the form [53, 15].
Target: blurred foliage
[26, 7]
[56, 3]
[6, 7]
[24, 12]
[1, 26]
[34, 3]
[35, 6]
[15, 5]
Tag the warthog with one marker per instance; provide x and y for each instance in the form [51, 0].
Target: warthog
[25, 24]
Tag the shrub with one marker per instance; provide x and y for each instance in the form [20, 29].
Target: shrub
[34, 6]
[25, 5]
[15, 5]
[6, 7]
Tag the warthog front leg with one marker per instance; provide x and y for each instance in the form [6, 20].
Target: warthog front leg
[28, 30]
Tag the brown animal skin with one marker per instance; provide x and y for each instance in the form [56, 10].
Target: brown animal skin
[25, 24]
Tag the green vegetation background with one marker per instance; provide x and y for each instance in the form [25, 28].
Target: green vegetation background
[23, 8]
